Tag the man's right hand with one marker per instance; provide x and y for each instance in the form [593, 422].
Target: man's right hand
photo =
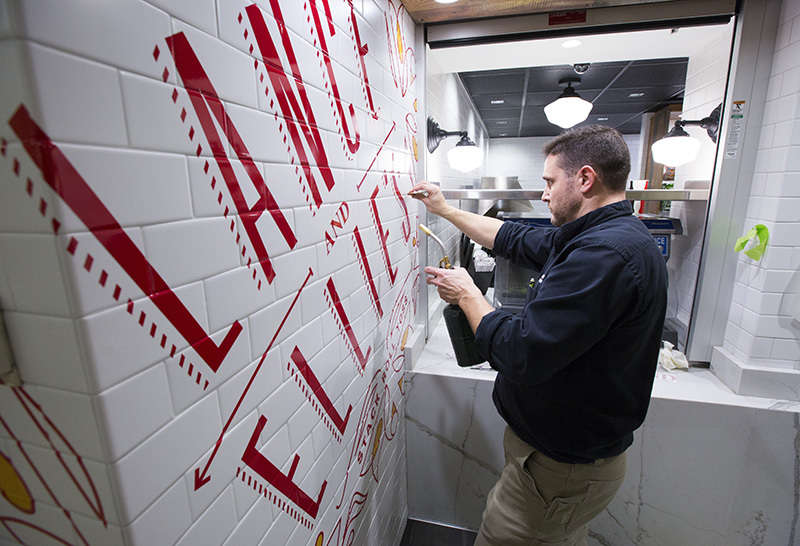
[434, 201]
[481, 229]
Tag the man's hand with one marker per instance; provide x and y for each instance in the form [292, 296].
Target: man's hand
[431, 196]
[457, 287]
[481, 229]
[453, 284]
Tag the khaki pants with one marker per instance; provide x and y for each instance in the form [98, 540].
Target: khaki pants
[541, 501]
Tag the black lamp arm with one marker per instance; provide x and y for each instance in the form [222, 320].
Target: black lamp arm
[709, 123]
[436, 134]
[445, 134]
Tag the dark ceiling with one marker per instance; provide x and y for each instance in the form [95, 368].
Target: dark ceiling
[620, 91]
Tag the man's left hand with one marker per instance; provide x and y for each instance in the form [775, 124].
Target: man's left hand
[452, 284]
[457, 287]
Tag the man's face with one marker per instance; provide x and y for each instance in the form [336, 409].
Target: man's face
[562, 193]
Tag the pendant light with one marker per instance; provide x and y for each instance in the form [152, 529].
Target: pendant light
[569, 108]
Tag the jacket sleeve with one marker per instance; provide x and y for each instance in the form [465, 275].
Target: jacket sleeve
[577, 303]
[525, 246]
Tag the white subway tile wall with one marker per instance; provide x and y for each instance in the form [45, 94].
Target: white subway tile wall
[208, 268]
[762, 334]
[450, 106]
[59, 78]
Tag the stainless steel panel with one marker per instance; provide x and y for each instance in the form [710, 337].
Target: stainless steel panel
[633, 195]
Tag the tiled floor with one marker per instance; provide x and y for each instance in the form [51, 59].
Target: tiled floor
[421, 533]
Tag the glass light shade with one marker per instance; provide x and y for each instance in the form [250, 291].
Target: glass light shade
[567, 111]
[465, 158]
[674, 151]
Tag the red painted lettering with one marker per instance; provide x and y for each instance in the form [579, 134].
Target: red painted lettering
[295, 106]
[65, 180]
[344, 211]
[202, 476]
[335, 303]
[350, 129]
[401, 56]
[406, 226]
[342, 214]
[362, 49]
[382, 236]
[282, 482]
[367, 272]
[206, 103]
[319, 394]
[374, 159]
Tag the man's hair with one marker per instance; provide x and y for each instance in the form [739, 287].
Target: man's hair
[600, 147]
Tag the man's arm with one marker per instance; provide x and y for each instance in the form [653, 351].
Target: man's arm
[456, 286]
[582, 297]
[481, 229]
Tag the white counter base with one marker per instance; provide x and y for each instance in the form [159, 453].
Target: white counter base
[707, 467]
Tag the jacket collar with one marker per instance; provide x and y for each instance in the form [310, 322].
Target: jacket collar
[590, 219]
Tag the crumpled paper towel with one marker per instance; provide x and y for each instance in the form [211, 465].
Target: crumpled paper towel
[760, 232]
[671, 359]
[482, 261]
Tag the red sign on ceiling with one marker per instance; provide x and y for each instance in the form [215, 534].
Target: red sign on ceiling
[567, 17]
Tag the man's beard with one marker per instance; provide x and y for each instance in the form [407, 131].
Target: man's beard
[565, 213]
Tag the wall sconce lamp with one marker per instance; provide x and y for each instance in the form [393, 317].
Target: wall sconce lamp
[569, 108]
[465, 156]
[677, 147]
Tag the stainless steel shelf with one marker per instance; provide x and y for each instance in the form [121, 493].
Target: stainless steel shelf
[667, 195]
[633, 195]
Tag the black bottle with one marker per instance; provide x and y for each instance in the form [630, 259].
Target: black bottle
[461, 336]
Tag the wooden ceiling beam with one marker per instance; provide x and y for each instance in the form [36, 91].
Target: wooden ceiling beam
[429, 11]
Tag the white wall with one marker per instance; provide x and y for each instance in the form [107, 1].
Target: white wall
[706, 75]
[760, 331]
[523, 158]
[133, 244]
[450, 106]
[520, 157]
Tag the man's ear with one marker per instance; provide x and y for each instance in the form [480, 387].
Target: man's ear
[588, 179]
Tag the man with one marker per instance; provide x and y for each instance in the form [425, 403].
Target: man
[576, 366]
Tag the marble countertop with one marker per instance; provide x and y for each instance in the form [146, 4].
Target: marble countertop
[693, 385]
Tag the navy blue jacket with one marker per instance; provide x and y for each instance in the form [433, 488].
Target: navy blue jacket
[576, 366]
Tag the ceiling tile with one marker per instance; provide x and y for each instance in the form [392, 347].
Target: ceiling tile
[607, 85]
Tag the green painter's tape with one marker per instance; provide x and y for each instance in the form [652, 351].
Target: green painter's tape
[759, 231]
